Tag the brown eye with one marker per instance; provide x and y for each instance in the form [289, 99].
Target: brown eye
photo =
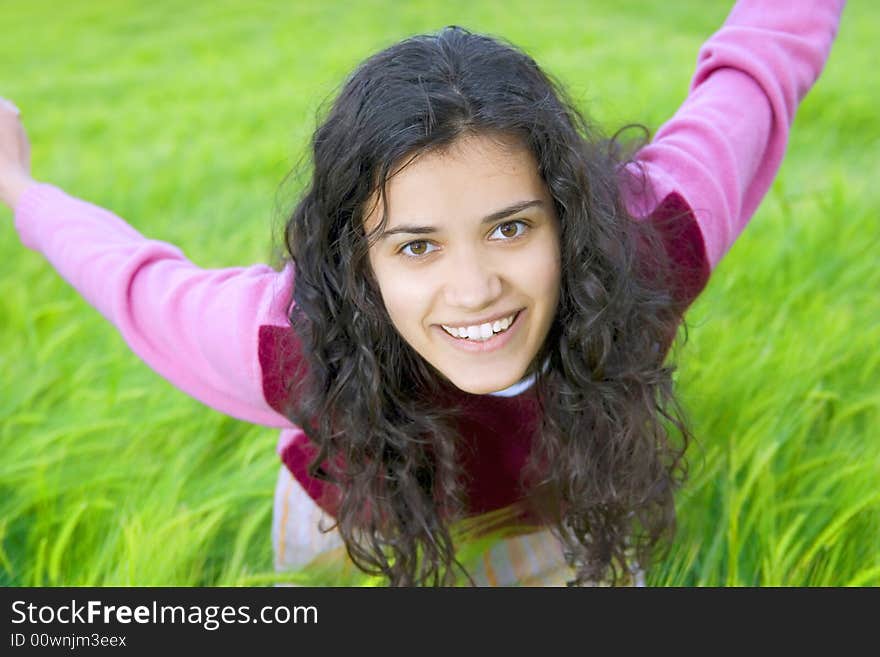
[508, 229]
[417, 249]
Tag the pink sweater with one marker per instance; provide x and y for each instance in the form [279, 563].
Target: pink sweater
[222, 335]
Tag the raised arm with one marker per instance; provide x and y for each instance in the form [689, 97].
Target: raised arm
[721, 150]
[201, 329]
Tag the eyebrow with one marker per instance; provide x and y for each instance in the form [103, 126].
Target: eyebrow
[488, 219]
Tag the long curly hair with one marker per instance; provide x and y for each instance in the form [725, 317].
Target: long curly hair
[608, 453]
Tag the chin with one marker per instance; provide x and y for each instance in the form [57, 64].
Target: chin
[486, 386]
[477, 390]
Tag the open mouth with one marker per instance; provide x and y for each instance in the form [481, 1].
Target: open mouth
[484, 341]
[483, 332]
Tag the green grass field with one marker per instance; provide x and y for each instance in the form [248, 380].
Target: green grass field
[184, 118]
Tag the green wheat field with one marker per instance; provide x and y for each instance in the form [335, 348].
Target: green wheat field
[185, 118]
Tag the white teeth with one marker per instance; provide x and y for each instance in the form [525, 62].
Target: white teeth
[480, 332]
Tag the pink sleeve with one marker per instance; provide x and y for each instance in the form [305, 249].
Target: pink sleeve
[722, 149]
[198, 328]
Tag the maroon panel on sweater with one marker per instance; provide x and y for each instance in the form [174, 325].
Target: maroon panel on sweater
[496, 432]
[297, 456]
[684, 244]
[280, 357]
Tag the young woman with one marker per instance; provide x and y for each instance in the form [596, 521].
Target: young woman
[478, 304]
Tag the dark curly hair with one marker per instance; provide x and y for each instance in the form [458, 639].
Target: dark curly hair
[609, 450]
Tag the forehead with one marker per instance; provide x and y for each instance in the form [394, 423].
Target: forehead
[474, 177]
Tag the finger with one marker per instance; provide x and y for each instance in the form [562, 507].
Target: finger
[10, 105]
[25, 147]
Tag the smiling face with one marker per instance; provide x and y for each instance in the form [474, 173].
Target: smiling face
[471, 240]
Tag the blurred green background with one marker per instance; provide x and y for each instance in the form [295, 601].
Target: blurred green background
[185, 117]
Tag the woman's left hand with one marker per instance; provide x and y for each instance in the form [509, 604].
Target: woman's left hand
[15, 155]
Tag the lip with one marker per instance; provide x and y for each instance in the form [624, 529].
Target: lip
[494, 343]
[488, 320]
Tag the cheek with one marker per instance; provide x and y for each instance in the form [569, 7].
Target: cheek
[549, 277]
[403, 299]
[541, 274]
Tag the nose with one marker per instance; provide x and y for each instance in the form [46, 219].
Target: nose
[472, 282]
